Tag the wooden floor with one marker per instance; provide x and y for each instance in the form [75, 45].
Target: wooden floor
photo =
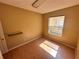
[33, 50]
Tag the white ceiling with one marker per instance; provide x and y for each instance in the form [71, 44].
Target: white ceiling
[46, 6]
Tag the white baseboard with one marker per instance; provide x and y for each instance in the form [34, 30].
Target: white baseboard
[64, 43]
[37, 37]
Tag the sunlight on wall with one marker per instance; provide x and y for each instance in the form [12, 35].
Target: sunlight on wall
[50, 48]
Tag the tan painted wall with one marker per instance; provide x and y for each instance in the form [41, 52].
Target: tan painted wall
[15, 20]
[70, 32]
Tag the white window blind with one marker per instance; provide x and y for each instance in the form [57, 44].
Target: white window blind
[56, 25]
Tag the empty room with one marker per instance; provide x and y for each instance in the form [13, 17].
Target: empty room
[39, 29]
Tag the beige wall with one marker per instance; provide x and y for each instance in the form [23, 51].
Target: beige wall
[70, 32]
[19, 20]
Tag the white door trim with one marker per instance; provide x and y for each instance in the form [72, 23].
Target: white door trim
[3, 41]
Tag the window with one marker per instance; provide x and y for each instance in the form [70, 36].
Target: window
[55, 25]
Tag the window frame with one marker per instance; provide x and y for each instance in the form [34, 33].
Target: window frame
[62, 29]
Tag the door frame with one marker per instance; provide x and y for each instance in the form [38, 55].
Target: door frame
[3, 41]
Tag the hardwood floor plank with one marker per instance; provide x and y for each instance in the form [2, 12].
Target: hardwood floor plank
[33, 50]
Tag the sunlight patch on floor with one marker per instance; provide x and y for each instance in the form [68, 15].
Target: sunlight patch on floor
[50, 48]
